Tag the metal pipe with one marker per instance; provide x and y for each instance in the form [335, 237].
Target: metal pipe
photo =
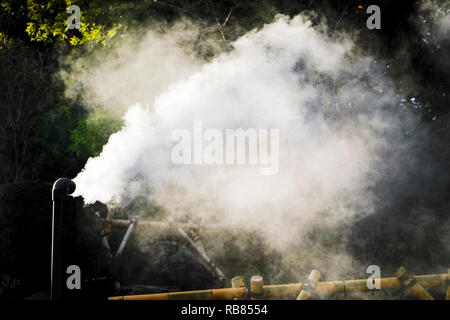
[60, 194]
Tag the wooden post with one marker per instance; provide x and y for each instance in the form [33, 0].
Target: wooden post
[256, 287]
[410, 282]
[238, 282]
[310, 286]
[447, 295]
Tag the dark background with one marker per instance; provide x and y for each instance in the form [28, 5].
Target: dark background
[45, 135]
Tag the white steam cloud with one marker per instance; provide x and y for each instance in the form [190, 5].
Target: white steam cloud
[335, 111]
[434, 19]
[138, 69]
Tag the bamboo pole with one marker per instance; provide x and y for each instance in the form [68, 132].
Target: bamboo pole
[447, 295]
[310, 286]
[106, 231]
[109, 220]
[132, 225]
[291, 289]
[196, 237]
[432, 280]
[256, 287]
[213, 294]
[162, 225]
[217, 272]
[179, 227]
[410, 282]
[238, 282]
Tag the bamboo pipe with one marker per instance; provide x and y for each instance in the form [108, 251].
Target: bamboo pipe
[132, 225]
[238, 282]
[162, 225]
[196, 237]
[410, 282]
[292, 289]
[106, 230]
[310, 286]
[213, 294]
[179, 227]
[201, 253]
[256, 287]
[431, 280]
[109, 221]
[447, 295]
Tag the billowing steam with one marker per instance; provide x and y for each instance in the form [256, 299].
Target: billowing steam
[138, 69]
[338, 120]
[436, 15]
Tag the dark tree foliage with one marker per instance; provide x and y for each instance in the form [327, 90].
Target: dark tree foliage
[25, 236]
[28, 92]
[25, 239]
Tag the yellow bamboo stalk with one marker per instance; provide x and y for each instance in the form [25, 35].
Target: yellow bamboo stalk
[109, 220]
[238, 282]
[215, 269]
[278, 290]
[447, 295]
[310, 286]
[212, 294]
[291, 289]
[432, 280]
[256, 287]
[410, 282]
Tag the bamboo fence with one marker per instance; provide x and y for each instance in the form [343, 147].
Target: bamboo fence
[303, 291]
